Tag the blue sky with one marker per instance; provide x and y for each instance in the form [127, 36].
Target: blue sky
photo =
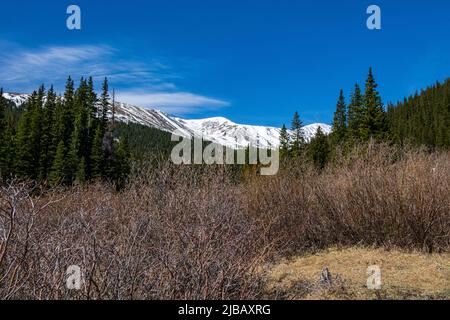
[252, 61]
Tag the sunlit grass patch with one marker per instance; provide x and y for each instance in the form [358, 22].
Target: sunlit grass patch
[405, 275]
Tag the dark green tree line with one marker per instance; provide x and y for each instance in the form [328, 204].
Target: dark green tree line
[422, 119]
[64, 140]
[363, 119]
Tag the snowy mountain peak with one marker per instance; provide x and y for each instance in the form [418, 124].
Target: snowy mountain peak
[213, 120]
[219, 130]
[17, 98]
[311, 130]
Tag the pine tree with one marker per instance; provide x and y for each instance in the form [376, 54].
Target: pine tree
[355, 113]
[443, 120]
[374, 124]
[340, 120]
[48, 148]
[284, 142]
[122, 163]
[297, 138]
[36, 132]
[24, 162]
[58, 170]
[79, 146]
[3, 105]
[59, 124]
[93, 123]
[92, 103]
[74, 154]
[108, 147]
[97, 155]
[69, 110]
[8, 154]
[319, 149]
[80, 177]
[7, 139]
[104, 102]
[7, 150]
[3, 136]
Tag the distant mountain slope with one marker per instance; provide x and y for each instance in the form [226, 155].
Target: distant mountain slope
[218, 130]
[225, 132]
[151, 117]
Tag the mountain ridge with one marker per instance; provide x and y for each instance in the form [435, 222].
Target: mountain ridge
[219, 130]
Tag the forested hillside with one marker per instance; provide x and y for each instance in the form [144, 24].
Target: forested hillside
[422, 119]
[144, 140]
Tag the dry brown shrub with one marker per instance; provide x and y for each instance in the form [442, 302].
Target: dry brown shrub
[175, 235]
[383, 196]
[191, 233]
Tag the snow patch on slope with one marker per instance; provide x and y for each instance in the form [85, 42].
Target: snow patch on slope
[225, 132]
[150, 117]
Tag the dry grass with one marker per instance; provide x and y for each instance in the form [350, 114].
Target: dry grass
[404, 275]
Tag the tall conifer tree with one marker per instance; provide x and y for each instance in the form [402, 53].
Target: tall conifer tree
[340, 120]
[58, 171]
[374, 117]
[319, 149]
[3, 135]
[24, 162]
[69, 111]
[355, 113]
[97, 155]
[284, 142]
[48, 148]
[104, 102]
[298, 137]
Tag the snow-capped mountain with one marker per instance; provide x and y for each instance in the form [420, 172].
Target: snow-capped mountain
[17, 98]
[225, 132]
[218, 130]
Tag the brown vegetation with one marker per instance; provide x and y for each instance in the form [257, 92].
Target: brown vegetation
[184, 233]
[377, 195]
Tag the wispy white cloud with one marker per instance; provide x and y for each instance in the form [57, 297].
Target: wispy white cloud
[22, 67]
[63, 55]
[172, 102]
[50, 64]
[146, 84]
